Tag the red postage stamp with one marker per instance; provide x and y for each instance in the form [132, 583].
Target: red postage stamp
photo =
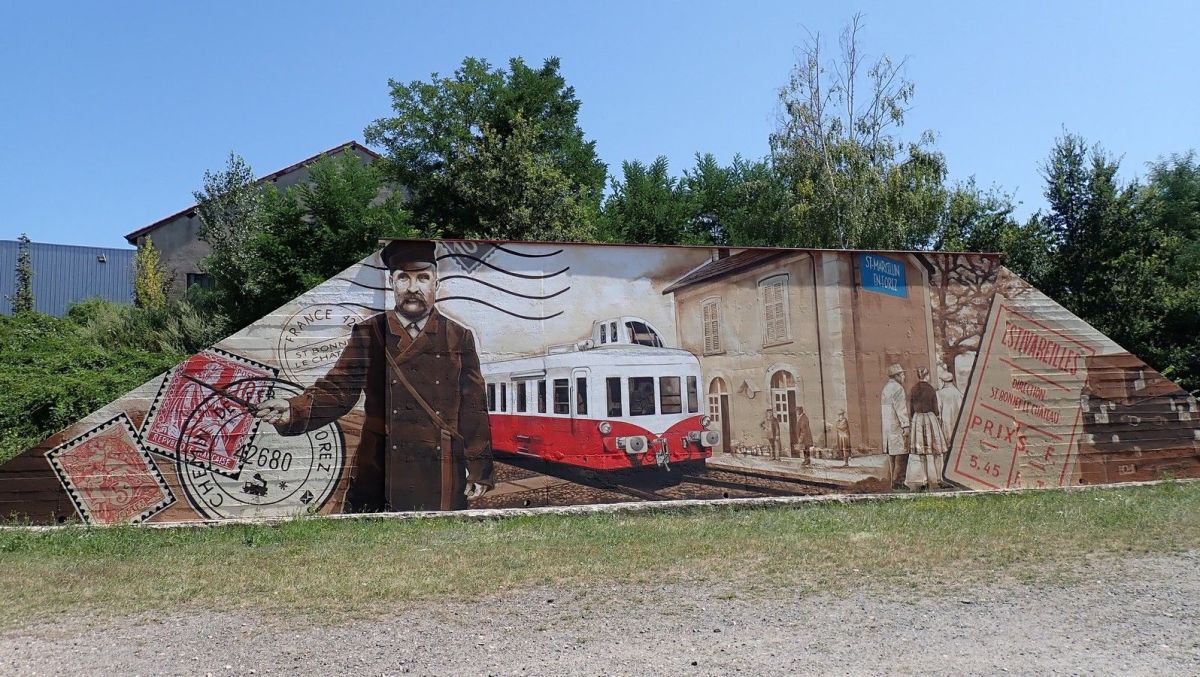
[203, 413]
[109, 477]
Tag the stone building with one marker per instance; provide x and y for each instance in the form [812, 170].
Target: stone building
[177, 236]
[803, 330]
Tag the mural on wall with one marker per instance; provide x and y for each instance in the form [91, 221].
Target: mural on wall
[454, 374]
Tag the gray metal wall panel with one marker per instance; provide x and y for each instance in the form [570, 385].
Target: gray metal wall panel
[66, 274]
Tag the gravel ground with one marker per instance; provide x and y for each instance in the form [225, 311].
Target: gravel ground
[1126, 616]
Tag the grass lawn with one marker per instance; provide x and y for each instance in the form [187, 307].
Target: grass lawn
[341, 566]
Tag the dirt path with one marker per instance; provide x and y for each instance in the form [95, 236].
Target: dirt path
[1127, 616]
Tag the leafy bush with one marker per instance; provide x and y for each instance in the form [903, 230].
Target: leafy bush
[54, 371]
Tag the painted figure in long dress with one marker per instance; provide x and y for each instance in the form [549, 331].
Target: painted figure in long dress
[894, 403]
[927, 442]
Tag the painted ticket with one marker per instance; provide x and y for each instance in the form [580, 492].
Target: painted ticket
[1022, 407]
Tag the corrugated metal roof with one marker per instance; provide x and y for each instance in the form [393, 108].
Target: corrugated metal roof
[65, 274]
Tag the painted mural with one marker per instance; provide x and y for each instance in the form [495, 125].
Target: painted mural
[458, 374]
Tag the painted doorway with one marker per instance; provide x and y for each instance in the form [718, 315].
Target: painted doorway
[783, 400]
[718, 409]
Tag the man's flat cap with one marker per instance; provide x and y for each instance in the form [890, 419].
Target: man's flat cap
[409, 254]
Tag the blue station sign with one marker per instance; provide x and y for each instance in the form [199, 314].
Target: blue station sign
[883, 275]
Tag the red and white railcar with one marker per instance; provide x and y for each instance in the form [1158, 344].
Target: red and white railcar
[618, 400]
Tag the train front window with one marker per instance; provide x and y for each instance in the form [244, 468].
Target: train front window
[541, 394]
[641, 396]
[612, 388]
[693, 396]
[641, 334]
[562, 396]
[522, 401]
[604, 333]
[581, 395]
[503, 397]
[670, 398]
[491, 390]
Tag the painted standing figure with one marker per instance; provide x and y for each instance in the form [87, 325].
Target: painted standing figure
[770, 426]
[426, 442]
[926, 440]
[804, 436]
[842, 428]
[895, 424]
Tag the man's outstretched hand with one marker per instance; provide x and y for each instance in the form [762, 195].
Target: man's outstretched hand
[275, 411]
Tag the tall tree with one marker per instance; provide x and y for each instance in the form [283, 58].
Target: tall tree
[856, 181]
[453, 141]
[291, 240]
[150, 281]
[647, 205]
[22, 297]
[1092, 218]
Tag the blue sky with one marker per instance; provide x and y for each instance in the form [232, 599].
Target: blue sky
[111, 112]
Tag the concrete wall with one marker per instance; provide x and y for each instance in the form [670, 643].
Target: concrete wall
[553, 374]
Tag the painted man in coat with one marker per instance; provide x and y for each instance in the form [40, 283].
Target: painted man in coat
[894, 405]
[425, 445]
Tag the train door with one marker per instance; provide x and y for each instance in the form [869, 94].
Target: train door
[783, 400]
[580, 406]
[718, 409]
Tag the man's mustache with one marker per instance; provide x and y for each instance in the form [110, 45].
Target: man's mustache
[409, 296]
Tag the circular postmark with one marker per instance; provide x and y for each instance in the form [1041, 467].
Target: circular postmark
[312, 339]
[278, 475]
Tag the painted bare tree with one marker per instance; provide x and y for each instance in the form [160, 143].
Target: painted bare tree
[963, 286]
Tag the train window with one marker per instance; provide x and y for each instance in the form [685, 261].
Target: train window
[670, 398]
[562, 396]
[693, 396]
[541, 387]
[491, 390]
[604, 333]
[613, 388]
[641, 334]
[581, 395]
[641, 395]
[503, 397]
[522, 401]
[612, 331]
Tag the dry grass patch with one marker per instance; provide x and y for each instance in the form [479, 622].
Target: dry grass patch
[339, 567]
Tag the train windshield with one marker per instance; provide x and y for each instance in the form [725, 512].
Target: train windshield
[641, 396]
[669, 394]
[643, 335]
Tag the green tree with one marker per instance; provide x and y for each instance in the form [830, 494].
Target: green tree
[22, 297]
[647, 205]
[150, 281]
[452, 141]
[292, 240]
[1092, 219]
[854, 181]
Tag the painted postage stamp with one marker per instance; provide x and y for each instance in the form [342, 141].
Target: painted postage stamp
[109, 477]
[204, 411]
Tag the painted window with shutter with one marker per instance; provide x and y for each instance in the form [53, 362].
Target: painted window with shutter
[712, 326]
[775, 325]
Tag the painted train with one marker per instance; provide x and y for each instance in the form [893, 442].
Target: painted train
[617, 400]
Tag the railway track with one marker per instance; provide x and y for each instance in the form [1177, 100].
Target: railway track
[648, 486]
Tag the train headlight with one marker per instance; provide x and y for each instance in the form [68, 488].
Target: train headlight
[705, 421]
[605, 427]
